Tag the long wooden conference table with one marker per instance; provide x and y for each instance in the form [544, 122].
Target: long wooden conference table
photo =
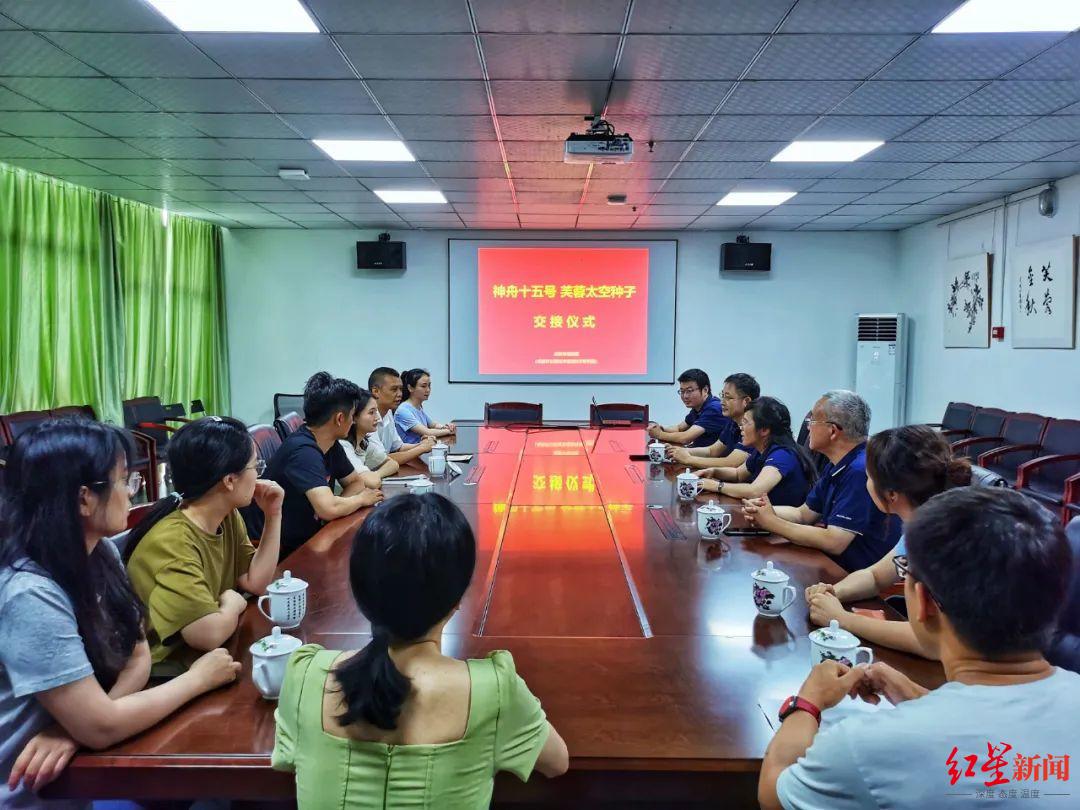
[641, 640]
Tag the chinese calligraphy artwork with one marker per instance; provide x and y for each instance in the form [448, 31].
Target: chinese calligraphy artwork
[967, 302]
[1043, 292]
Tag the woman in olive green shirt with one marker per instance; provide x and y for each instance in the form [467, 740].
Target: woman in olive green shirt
[399, 724]
[190, 557]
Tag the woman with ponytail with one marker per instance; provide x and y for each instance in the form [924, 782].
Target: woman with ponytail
[412, 422]
[73, 656]
[365, 452]
[905, 467]
[398, 723]
[190, 558]
[777, 465]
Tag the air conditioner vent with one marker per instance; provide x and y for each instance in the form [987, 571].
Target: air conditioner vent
[878, 327]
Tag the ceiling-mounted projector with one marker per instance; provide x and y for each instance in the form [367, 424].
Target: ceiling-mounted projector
[599, 145]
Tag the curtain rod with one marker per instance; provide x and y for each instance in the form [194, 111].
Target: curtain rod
[987, 207]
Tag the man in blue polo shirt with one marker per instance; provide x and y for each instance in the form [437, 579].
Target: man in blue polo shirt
[855, 533]
[740, 389]
[705, 422]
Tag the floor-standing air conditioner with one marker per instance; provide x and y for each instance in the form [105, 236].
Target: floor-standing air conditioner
[881, 367]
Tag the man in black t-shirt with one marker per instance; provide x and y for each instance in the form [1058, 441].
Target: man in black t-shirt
[310, 460]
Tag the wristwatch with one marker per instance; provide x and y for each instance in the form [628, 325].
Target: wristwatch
[794, 704]
[719, 487]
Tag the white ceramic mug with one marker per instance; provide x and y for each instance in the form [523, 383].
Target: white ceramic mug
[688, 485]
[712, 519]
[772, 593]
[269, 657]
[288, 601]
[421, 485]
[835, 644]
[656, 452]
[436, 463]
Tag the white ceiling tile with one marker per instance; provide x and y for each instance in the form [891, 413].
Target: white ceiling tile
[904, 98]
[137, 124]
[662, 97]
[821, 56]
[45, 124]
[964, 127]
[866, 16]
[237, 125]
[196, 95]
[313, 95]
[489, 184]
[851, 184]
[1059, 62]
[481, 151]
[833, 198]
[707, 16]
[918, 151]
[888, 196]
[1019, 98]
[861, 127]
[354, 168]
[25, 53]
[14, 101]
[447, 127]
[998, 185]
[555, 16]
[156, 55]
[18, 148]
[338, 126]
[552, 98]
[271, 148]
[1044, 170]
[90, 147]
[924, 185]
[112, 184]
[666, 57]
[78, 94]
[358, 196]
[700, 169]
[221, 168]
[323, 183]
[275, 56]
[429, 56]
[182, 147]
[402, 16]
[890, 171]
[964, 171]
[286, 208]
[965, 56]
[58, 167]
[549, 57]
[756, 127]
[99, 15]
[176, 182]
[547, 170]
[464, 169]
[1050, 128]
[450, 97]
[871, 209]
[784, 170]
[1005, 151]
[788, 97]
[130, 166]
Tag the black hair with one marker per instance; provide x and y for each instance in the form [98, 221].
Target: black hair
[378, 377]
[40, 522]
[772, 414]
[411, 561]
[696, 375]
[411, 377]
[325, 395]
[201, 453]
[996, 562]
[359, 442]
[744, 384]
[916, 461]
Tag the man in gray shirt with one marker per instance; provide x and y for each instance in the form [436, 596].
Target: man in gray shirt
[984, 577]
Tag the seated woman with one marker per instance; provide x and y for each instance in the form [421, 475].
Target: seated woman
[412, 423]
[398, 723]
[777, 466]
[369, 458]
[905, 467]
[72, 653]
[190, 557]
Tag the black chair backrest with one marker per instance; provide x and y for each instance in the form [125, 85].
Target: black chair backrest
[288, 403]
[606, 412]
[1062, 437]
[196, 407]
[16, 424]
[289, 423]
[267, 441]
[958, 416]
[505, 413]
[982, 477]
[988, 422]
[146, 409]
[804, 439]
[86, 411]
[1024, 428]
[176, 410]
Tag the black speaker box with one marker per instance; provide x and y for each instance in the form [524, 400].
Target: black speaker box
[380, 255]
[749, 256]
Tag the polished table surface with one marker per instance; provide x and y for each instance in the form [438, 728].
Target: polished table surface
[646, 652]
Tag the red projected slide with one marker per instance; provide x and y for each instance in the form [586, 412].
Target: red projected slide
[563, 310]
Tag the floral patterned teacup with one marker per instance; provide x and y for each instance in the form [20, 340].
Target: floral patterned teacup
[712, 519]
[833, 643]
[688, 485]
[772, 594]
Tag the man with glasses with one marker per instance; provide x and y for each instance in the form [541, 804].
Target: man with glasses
[855, 533]
[739, 391]
[705, 422]
[985, 575]
[310, 460]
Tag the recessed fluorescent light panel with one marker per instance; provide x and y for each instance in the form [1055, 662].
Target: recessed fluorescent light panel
[825, 151]
[238, 16]
[384, 151]
[396, 196]
[1011, 16]
[756, 197]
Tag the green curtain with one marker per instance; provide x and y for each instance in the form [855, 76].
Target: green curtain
[102, 301]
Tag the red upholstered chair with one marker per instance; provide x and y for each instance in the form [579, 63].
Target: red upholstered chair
[288, 403]
[1019, 428]
[957, 420]
[289, 423]
[987, 422]
[267, 440]
[147, 415]
[1072, 498]
[1044, 477]
[617, 413]
[513, 413]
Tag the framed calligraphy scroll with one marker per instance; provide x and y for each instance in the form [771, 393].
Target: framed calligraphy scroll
[1043, 292]
[967, 302]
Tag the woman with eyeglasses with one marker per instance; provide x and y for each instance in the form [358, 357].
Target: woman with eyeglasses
[73, 656]
[776, 465]
[190, 557]
[905, 467]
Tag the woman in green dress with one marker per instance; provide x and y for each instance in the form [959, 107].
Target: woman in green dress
[399, 724]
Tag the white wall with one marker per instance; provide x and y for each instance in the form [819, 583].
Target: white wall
[296, 304]
[1045, 381]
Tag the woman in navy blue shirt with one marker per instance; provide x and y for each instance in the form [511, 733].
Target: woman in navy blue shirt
[777, 466]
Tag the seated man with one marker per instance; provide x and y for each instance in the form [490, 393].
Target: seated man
[1064, 649]
[705, 422]
[727, 451]
[856, 533]
[385, 386]
[984, 576]
[311, 459]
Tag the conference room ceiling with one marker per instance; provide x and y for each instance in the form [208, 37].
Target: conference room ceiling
[109, 94]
